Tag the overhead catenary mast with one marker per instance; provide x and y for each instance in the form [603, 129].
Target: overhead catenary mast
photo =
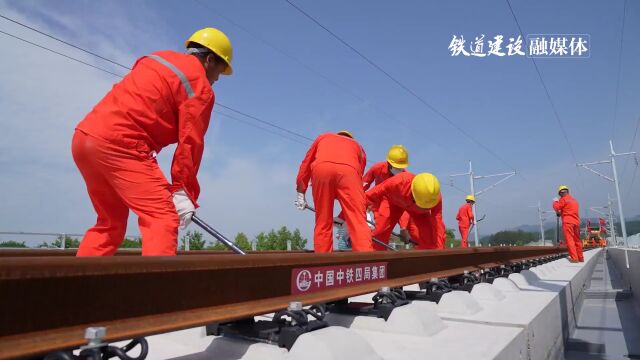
[614, 180]
[472, 178]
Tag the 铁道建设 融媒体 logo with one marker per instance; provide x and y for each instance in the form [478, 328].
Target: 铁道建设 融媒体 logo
[536, 46]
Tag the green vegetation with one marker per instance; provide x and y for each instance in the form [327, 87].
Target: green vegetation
[12, 244]
[69, 242]
[511, 238]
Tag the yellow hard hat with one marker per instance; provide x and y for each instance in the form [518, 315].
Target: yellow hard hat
[345, 132]
[470, 197]
[216, 41]
[563, 187]
[425, 189]
[398, 157]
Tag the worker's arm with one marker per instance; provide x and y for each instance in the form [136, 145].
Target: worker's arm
[439, 230]
[304, 173]
[193, 121]
[375, 195]
[404, 220]
[363, 160]
[369, 177]
[558, 205]
[470, 214]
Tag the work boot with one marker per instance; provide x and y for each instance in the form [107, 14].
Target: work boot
[572, 260]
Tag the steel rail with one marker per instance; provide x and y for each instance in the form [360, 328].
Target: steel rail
[47, 302]
[22, 252]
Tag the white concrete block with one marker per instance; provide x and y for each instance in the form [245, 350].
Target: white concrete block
[531, 277]
[332, 343]
[459, 341]
[458, 302]
[505, 285]
[488, 292]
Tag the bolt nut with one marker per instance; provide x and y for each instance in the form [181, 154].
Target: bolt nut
[95, 333]
[295, 306]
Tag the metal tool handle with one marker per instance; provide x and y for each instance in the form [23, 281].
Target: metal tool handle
[213, 232]
[373, 239]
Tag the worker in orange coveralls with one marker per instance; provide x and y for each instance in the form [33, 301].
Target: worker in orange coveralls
[567, 207]
[167, 98]
[397, 162]
[465, 219]
[418, 195]
[334, 164]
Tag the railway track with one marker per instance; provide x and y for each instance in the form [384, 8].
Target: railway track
[47, 301]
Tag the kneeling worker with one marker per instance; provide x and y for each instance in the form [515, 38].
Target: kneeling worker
[418, 195]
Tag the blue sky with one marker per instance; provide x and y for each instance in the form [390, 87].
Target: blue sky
[291, 72]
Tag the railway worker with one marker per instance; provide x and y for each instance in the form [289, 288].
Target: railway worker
[567, 207]
[167, 98]
[397, 162]
[465, 219]
[417, 195]
[335, 163]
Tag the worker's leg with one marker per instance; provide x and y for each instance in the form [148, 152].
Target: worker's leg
[464, 236]
[576, 240]
[426, 236]
[567, 230]
[354, 204]
[324, 194]
[108, 232]
[137, 179]
[385, 224]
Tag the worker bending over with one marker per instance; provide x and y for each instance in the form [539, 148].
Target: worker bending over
[465, 219]
[418, 195]
[334, 163]
[166, 99]
[397, 162]
[568, 208]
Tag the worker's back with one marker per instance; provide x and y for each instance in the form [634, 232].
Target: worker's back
[339, 149]
[142, 110]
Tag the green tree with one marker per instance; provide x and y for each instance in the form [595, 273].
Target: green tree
[69, 242]
[450, 240]
[131, 243]
[512, 238]
[277, 240]
[196, 242]
[242, 241]
[13, 244]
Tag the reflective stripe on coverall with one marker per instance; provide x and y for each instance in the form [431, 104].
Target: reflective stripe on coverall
[334, 164]
[424, 225]
[165, 99]
[465, 218]
[568, 208]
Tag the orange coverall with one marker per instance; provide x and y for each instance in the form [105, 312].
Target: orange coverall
[165, 99]
[424, 225]
[465, 218]
[335, 164]
[568, 208]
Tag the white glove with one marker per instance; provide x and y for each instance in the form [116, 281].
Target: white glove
[184, 207]
[301, 202]
[555, 199]
[371, 220]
